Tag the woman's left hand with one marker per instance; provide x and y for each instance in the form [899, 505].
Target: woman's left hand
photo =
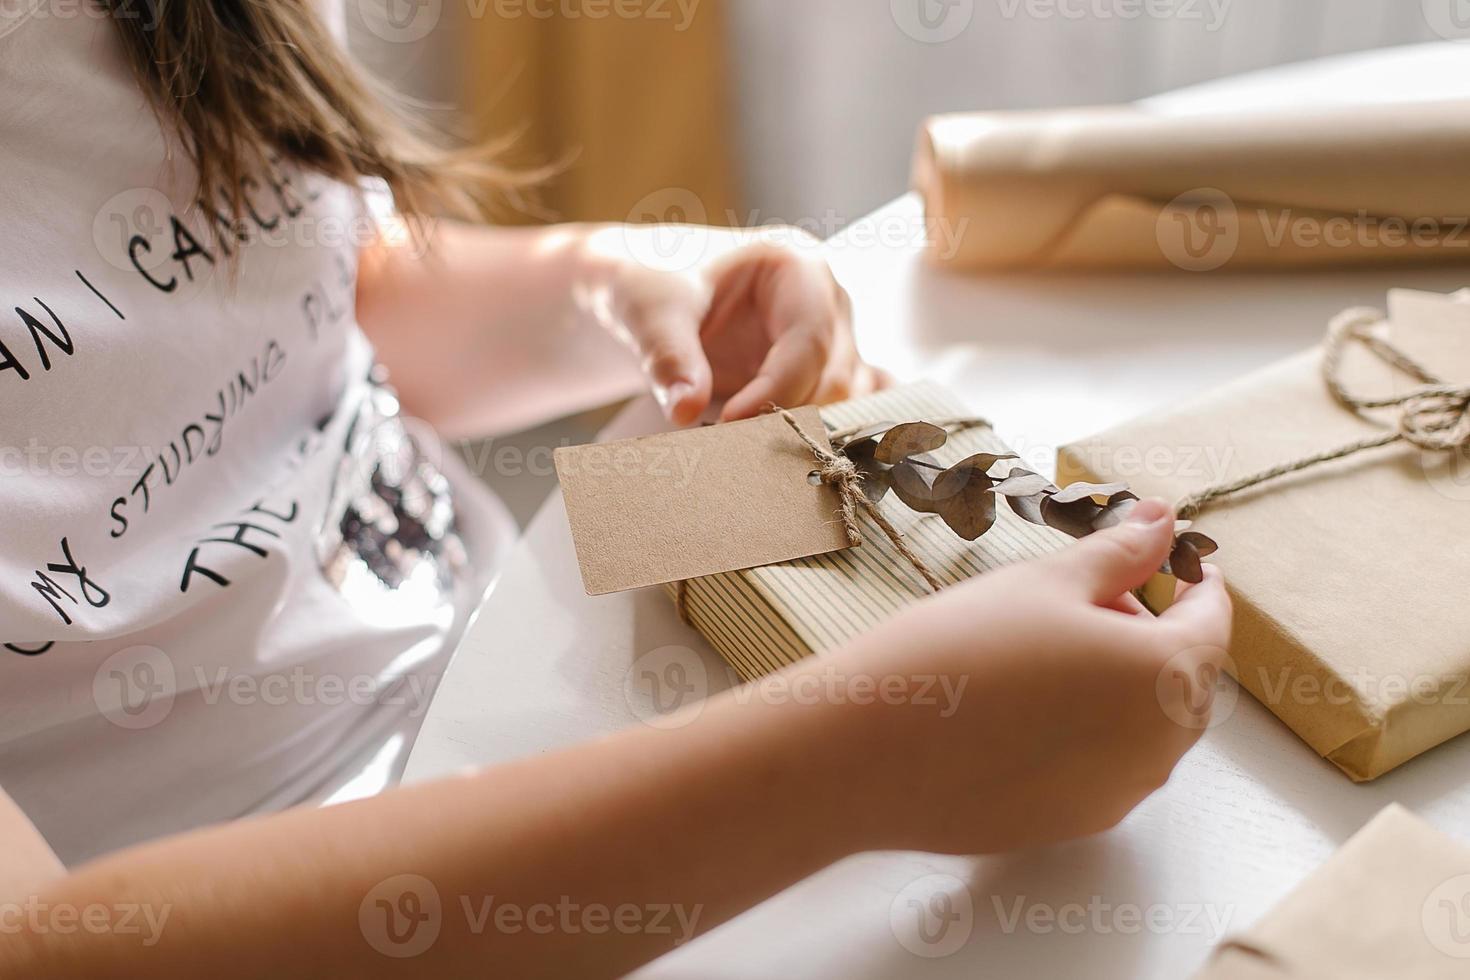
[754, 317]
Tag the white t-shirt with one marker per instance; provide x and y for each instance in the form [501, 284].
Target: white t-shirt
[230, 574]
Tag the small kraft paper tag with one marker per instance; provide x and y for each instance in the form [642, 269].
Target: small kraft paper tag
[699, 502]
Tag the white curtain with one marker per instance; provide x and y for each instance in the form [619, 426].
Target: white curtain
[831, 92]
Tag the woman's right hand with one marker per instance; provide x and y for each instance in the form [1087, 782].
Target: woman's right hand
[1061, 703]
[1048, 724]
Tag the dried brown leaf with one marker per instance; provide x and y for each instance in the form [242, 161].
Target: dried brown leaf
[963, 497]
[1116, 510]
[984, 461]
[1184, 563]
[910, 439]
[1029, 508]
[1203, 544]
[1024, 483]
[875, 477]
[914, 486]
[1080, 491]
[1072, 517]
[876, 483]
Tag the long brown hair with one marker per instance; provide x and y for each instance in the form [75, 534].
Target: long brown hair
[241, 80]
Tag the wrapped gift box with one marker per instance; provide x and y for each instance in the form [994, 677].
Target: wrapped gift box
[762, 619]
[1349, 578]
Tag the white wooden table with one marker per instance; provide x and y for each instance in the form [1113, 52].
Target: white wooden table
[1049, 358]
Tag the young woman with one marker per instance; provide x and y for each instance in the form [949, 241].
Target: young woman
[231, 568]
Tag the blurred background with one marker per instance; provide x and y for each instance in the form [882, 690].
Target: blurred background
[805, 111]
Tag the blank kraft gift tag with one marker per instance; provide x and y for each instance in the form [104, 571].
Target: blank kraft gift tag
[683, 505]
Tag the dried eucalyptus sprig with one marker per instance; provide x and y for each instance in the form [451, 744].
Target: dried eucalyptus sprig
[898, 457]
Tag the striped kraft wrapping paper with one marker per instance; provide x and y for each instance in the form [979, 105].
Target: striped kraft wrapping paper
[762, 619]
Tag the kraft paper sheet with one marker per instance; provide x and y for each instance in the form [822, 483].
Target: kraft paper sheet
[1393, 902]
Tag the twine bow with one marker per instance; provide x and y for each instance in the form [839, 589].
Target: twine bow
[840, 473]
[1434, 417]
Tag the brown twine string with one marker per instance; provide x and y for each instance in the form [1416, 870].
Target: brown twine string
[681, 601]
[840, 473]
[1434, 417]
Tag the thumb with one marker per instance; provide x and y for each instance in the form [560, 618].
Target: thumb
[674, 361]
[1109, 563]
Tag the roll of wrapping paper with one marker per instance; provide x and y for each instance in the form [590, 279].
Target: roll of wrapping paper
[1130, 187]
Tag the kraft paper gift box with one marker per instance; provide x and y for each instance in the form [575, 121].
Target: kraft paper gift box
[761, 619]
[1349, 578]
[1129, 186]
[1393, 902]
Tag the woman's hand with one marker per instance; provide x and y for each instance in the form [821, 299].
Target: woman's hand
[500, 329]
[751, 316]
[1073, 703]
